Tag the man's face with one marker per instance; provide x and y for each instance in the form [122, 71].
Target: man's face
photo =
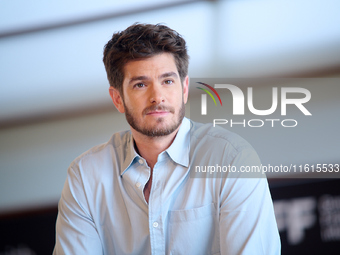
[154, 96]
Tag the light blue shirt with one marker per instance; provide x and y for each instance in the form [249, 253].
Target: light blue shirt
[102, 209]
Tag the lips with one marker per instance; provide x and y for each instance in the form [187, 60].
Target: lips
[156, 112]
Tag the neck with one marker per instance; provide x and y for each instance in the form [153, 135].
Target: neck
[150, 147]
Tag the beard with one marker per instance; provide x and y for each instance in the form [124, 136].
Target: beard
[155, 131]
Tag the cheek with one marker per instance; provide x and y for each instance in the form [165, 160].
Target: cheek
[134, 104]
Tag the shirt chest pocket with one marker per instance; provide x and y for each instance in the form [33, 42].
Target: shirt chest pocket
[194, 231]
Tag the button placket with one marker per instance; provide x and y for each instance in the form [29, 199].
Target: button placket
[142, 178]
[155, 212]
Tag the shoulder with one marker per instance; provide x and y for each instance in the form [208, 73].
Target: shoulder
[103, 154]
[215, 146]
[217, 136]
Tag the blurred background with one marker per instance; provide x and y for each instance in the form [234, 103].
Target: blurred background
[54, 100]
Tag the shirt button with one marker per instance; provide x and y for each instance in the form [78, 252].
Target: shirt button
[140, 162]
[138, 184]
[155, 224]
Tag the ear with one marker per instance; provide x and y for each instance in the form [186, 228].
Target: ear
[117, 99]
[186, 89]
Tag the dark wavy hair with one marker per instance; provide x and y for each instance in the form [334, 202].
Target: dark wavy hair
[142, 41]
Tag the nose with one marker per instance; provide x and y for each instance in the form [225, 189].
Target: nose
[156, 94]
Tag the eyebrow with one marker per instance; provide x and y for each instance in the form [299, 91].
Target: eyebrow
[138, 78]
[169, 74]
[143, 77]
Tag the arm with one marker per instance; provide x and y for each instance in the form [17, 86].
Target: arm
[76, 232]
[247, 220]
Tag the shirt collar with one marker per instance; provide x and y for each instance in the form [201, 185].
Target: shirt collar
[178, 150]
[130, 154]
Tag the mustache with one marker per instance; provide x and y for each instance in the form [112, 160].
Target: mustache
[158, 107]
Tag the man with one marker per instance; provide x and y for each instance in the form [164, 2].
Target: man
[134, 194]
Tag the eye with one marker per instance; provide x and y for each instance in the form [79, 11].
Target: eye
[168, 82]
[139, 85]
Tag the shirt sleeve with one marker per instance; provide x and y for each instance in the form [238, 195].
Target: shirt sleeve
[76, 232]
[247, 219]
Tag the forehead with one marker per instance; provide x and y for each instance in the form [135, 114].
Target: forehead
[160, 63]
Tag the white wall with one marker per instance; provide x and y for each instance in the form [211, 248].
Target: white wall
[34, 158]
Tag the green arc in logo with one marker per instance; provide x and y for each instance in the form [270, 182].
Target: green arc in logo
[208, 92]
